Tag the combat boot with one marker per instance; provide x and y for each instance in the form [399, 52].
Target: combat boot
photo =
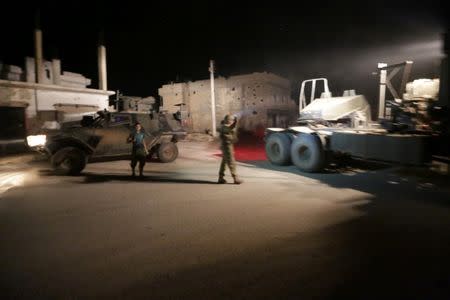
[221, 180]
[133, 173]
[237, 180]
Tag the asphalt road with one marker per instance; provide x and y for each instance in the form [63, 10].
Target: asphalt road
[364, 232]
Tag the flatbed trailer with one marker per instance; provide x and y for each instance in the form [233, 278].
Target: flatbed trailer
[312, 149]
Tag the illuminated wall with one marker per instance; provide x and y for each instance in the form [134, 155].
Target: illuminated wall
[260, 100]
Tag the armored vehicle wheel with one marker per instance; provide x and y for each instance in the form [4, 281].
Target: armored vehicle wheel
[278, 149]
[167, 152]
[307, 153]
[68, 161]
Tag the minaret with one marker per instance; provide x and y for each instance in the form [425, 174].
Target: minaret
[101, 52]
[38, 56]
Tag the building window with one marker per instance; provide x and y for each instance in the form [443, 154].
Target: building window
[47, 73]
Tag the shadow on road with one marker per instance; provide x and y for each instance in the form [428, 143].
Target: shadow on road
[378, 179]
[96, 178]
[342, 167]
[160, 177]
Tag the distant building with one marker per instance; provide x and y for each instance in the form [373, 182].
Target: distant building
[136, 104]
[260, 100]
[60, 96]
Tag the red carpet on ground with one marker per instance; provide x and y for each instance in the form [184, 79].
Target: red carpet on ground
[249, 148]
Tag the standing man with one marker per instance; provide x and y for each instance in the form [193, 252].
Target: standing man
[228, 137]
[139, 151]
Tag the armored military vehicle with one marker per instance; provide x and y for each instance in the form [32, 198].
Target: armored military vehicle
[104, 137]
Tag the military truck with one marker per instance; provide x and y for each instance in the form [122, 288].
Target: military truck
[412, 129]
[103, 137]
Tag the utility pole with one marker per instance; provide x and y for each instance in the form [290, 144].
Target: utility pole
[213, 98]
[382, 99]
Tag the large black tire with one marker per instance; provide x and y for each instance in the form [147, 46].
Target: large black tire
[307, 153]
[278, 149]
[167, 152]
[69, 161]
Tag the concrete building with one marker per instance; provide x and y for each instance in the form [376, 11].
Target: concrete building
[260, 100]
[136, 104]
[60, 96]
[42, 93]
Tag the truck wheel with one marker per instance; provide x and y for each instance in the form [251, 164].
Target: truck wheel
[167, 152]
[68, 161]
[277, 149]
[307, 153]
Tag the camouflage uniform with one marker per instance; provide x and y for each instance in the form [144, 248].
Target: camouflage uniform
[138, 152]
[228, 138]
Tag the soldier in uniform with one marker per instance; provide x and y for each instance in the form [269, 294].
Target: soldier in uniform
[139, 150]
[228, 137]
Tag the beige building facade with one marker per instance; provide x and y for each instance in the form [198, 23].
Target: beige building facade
[61, 96]
[260, 100]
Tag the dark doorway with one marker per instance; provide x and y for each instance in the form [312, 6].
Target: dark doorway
[12, 123]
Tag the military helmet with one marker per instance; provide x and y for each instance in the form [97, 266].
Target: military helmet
[228, 119]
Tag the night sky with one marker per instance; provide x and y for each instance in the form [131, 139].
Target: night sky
[148, 46]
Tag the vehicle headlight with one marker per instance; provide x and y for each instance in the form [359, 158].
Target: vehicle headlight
[36, 140]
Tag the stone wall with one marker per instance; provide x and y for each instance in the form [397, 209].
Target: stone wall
[260, 100]
[132, 103]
